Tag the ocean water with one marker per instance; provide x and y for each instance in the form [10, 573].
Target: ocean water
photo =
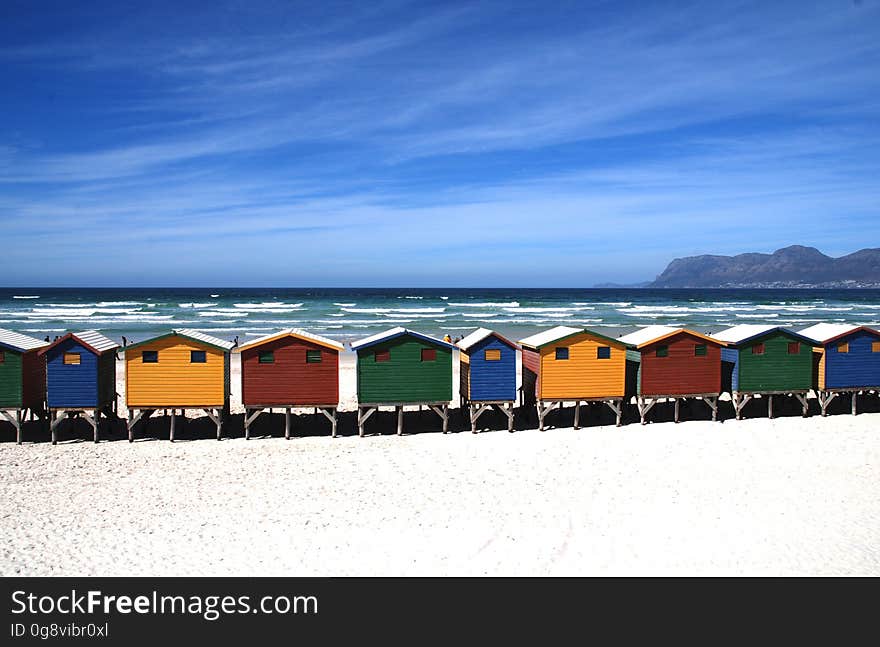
[348, 314]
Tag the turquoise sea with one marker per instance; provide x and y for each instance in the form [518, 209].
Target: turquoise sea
[347, 314]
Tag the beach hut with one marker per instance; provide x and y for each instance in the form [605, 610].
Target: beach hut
[180, 370]
[846, 359]
[765, 361]
[22, 378]
[675, 364]
[401, 367]
[287, 369]
[80, 377]
[566, 364]
[488, 374]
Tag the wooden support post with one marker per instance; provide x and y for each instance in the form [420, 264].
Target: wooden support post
[130, 425]
[287, 423]
[53, 428]
[399, 421]
[617, 407]
[855, 395]
[363, 414]
[541, 413]
[677, 401]
[510, 415]
[473, 413]
[445, 418]
[18, 428]
[333, 425]
[644, 407]
[713, 404]
[173, 422]
[802, 398]
[770, 406]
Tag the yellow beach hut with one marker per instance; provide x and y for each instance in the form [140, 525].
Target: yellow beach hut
[566, 364]
[184, 369]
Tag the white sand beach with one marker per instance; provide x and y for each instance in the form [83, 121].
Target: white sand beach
[757, 497]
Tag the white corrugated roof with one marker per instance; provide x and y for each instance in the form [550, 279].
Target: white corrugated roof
[208, 339]
[741, 332]
[822, 332]
[296, 332]
[549, 336]
[395, 332]
[20, 342]
[366, 341]
[96, 340]
[647, 334]
[477, 336]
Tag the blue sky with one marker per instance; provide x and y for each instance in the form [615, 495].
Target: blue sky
[429, 144]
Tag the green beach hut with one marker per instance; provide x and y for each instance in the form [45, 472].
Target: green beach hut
[765, 361]
[401, 367]
[22, 378]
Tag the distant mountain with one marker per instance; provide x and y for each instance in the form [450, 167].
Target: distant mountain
[643, 284]
[794, 266]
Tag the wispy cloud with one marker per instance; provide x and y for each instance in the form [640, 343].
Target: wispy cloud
[392, 124]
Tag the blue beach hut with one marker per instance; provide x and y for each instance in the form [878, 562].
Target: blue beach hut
[846, 359]
[80, 377]
[488, 374]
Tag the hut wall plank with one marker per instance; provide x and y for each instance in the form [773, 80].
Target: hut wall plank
[859, 367]
[405, 378]
[495, 380]
[33, 380]
[681, 371]
[71, 385]
[775, 370]
[11, 379]
[173, 381]
[290, 379]
[582, 375]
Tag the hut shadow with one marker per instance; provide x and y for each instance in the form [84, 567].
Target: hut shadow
[784, 406]
[69, 430]
[302, 425]
[158, 427]
[842, 405]
[384, 423]
[690, 410]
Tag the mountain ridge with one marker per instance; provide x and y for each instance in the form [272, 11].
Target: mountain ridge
[792, 266]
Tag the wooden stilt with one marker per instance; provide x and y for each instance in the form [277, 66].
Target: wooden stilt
[18, 428]
[713, 404]
[677, 408]
[287, 423]
[617, 407]
[855, 395]
[399, 421]
[363, 414]
[510, 415]
[770, 406]
[577, 414]
[173, 422]
[802, 398]
[53, 427]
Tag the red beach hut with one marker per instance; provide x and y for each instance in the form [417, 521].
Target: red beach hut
[287, 369]
[675, 364]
